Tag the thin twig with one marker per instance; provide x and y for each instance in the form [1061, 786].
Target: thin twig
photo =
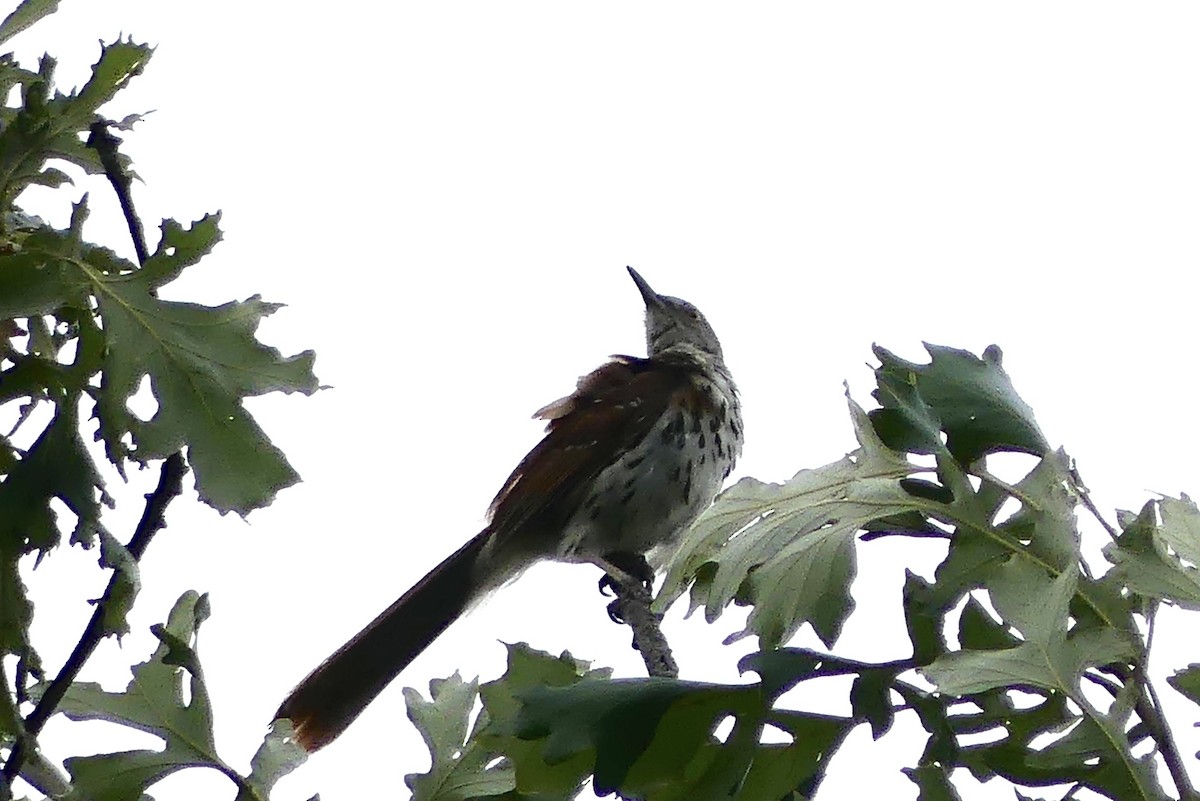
[979, 471]
[1073, 792]
[105, 142]
[1149, 709]
[1084, 495]
[1146, 702]
[1110, 686]
[170, 484]
[170, 479]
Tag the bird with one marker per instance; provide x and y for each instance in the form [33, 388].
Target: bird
[629, 460]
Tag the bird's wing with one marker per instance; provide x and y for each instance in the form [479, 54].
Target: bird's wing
[612, 409]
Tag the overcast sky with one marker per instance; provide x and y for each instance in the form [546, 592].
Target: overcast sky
[446, 196]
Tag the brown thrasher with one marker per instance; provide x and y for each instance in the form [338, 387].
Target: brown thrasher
[629, 460]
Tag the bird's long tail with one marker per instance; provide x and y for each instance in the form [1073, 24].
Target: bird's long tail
[333, 695]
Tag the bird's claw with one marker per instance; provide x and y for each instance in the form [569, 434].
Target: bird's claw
[614, 612]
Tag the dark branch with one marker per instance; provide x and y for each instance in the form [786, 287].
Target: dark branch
[105, 142]
[1110, 686]
[1149, 709]
[1082, 491]
[170, 484]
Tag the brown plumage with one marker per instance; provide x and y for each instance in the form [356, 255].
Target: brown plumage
[628, 461]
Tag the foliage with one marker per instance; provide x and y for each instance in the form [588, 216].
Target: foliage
[82, 330]
[1014, 612]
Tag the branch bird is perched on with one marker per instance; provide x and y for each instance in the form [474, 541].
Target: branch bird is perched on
[629, 460]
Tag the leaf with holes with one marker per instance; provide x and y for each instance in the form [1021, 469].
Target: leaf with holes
[1051, 658]
[503, 702]
[654, 739]
[153, 702]
[1036, 605]
[789, 549]
[202, 362]
[969, 399]
[460, 768]
[53, 125]
[1159, 561]
[278, 756]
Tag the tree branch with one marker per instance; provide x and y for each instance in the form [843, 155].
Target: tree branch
[1085, 496]
[1149, 709]
[170, 484]
[105, 142]
[633, 607]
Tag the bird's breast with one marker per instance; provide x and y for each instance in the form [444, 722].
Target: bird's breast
[644, 501]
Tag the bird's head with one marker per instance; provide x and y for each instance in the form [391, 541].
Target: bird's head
[671, 322]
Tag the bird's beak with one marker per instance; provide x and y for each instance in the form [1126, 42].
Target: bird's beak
[649, 295]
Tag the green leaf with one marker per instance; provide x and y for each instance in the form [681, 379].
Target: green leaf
[870, 699]
[120, 596]
[10, 717]
[1046, 518]
[24, 15]
[31, 284]
[57, 465]
[120, 62]
[617, 721]
[1181, 527]
[933, 783]
[794, 771]
[278, 756]
[788, 549]
[614, 719]
[932, 711]
[1187, 682]
[1091, 745]
[1010, 757]
[153, 702]
[647, 738]
[970, 562]
[970, 399]
[502, 703]
[870, 695]
[978, 631]
[923, 615]
[202, 362]
[56, 126]
[781, 669]
[1038, 606]
[1053, 658]
[460, 768]
[16, 610]
[51, 177]
[1159, 561]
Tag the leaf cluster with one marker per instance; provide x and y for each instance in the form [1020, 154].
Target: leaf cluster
[83, 331]
[1016, 634]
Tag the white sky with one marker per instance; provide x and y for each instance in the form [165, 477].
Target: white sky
[446, 195]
